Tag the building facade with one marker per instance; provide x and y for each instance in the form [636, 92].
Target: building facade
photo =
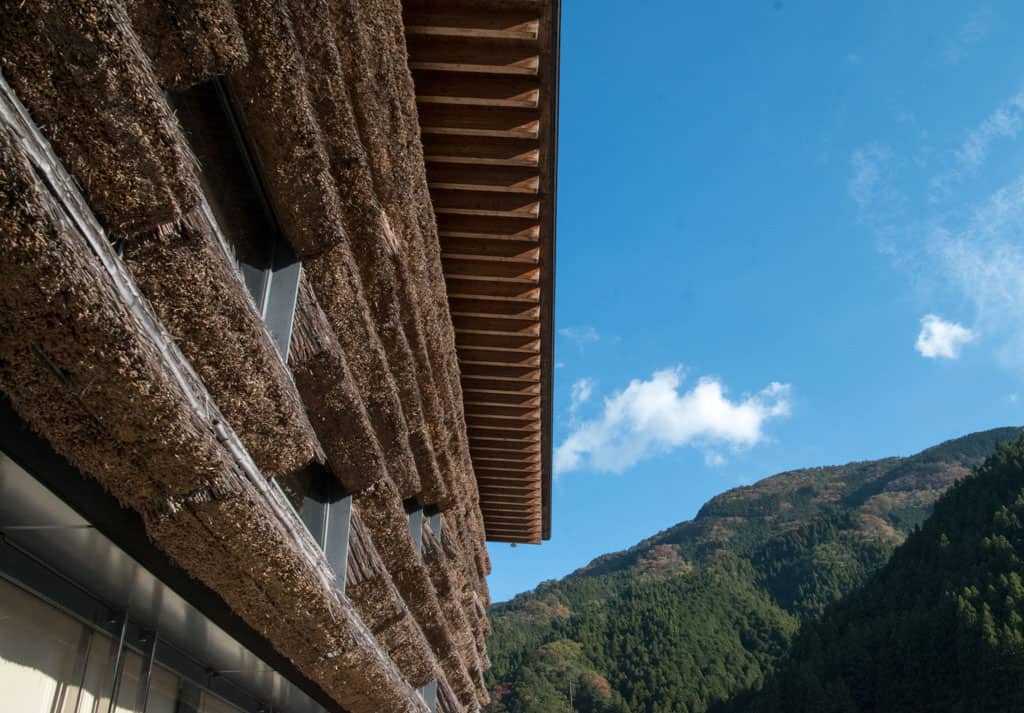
[276, 316]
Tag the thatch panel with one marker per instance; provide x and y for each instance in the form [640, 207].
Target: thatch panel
[379, 254]
[368, 669]
[273, 96]
[189, 41]
[72, 358]
[332, 397]
[240, 549]
[381, 607]
[446, 700]
[81, 71]
[337, 285]
[383, 611]
[380, 510]
[384, 104]
[198, 294]
[413, 582]
[449, 594]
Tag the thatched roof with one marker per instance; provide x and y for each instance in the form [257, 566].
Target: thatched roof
[185, 134]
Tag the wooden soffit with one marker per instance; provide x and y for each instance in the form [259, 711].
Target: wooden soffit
[486, 76]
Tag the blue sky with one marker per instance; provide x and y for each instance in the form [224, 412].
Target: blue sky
[790, 234]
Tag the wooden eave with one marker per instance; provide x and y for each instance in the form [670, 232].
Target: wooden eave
[486, 77]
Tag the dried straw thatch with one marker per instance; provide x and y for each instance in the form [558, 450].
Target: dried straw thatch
[274, 98]
[385, 613]
[332, 398]
[188, 42]
[102, 107]
[72, 358]
[335, 280]
[185, 273]
[325, 98]
[223, 523]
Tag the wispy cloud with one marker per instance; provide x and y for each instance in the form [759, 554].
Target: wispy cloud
[583, 336]
[582, 390]
[984, 261]
[654, 416]
[973, 31]
[971, 251]
[1005, 122]
[868, 183]
[939, 339]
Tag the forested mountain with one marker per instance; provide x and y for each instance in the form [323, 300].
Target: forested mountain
[939, 628]
[706, 609]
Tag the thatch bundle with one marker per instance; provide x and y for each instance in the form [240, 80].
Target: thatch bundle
[185, 273]
[382, 609]
[73, 360]
[188, 41]
[332, 398]
[336, 282]
[274, 95]
[90, 84]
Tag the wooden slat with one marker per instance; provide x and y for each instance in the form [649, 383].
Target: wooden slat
[498, 246]
[483, 25]
[505, 372]
[487, 227]
[476, 90]
[495, 179]
[503, 307]
[471, 285]
[498, 356]
[473, 56]
[486, 204]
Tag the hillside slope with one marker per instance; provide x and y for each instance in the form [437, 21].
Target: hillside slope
[706, 608]
[939, 628]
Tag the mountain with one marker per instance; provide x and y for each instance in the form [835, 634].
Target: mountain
[939, 628]
[707, 608]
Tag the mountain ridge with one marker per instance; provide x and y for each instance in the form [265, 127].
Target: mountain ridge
[756, 560]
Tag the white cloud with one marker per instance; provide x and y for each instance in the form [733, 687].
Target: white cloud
[583, 335]
[655, 416]
[941, 339]
[971, 33]
[581, 393]
[714, 459]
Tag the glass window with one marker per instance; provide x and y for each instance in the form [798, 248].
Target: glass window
[40, 653]
[211, 704]
[163, 691]
[52, 663]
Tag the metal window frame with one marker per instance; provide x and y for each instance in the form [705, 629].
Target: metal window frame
[326, 511]
[416, 518]
[429, 695]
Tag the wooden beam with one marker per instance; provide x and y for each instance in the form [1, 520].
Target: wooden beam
[472, 338]
[484, 203]
[487, 227]
[506, 179]
[480, 121]
[473, 55]
[476, 90]
[518, 26]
